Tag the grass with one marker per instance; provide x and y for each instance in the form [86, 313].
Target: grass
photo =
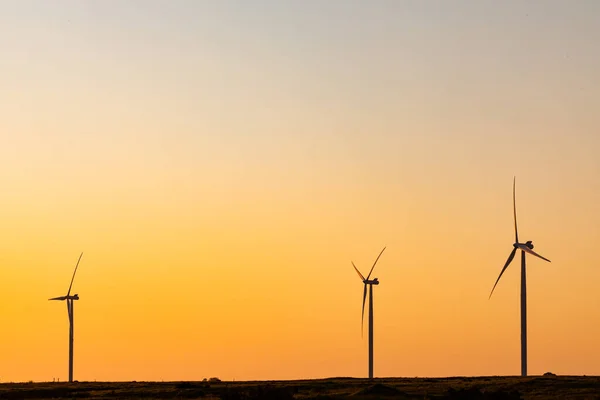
[529, 388]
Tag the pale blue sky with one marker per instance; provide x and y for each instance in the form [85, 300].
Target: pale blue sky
[380, 69]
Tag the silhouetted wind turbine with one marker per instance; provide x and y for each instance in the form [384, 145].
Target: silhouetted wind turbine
[69, 300]
[526, 247]
[366, 282]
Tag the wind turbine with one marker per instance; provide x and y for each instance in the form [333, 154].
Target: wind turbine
[370, 283]
[526, 247]
[69, 300]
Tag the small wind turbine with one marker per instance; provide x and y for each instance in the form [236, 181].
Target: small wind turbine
[526, 247]
[366, 282]
[69, 300]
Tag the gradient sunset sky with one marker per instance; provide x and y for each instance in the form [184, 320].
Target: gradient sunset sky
[220, 163]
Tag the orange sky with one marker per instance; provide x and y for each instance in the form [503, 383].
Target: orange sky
[220, 165]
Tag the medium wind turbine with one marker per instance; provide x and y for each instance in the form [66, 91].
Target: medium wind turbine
[526, 247]
[69, 300]
[370, 283]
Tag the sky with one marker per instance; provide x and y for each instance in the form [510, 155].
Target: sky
[221, 163]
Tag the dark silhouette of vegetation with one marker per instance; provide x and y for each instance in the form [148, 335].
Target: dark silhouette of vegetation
[380, 390]
[479, 394]
[477, 388]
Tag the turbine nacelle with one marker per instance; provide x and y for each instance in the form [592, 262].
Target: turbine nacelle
[68, 297]
[374, 281]
[528, 244]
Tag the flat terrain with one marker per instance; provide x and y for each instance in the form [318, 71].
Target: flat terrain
[534, 387]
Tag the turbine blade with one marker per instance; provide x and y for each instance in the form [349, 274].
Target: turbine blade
[74, 272]
[58, 298]
[377, 259]
[533, 253]
[69, 309]
[362, 278]
[510, 258]
[515, 211]
[362, 318]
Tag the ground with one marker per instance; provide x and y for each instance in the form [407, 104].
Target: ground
[529, 388]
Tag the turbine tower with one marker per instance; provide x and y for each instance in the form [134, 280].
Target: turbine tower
[370, 283]
[69, 300]
[526, 247]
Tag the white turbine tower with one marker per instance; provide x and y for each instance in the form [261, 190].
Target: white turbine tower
[370, 283]
[69, 300]
[526, 247]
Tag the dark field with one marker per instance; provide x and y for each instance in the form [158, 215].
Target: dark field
[535, 387]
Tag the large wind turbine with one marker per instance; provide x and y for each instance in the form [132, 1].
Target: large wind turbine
[69, 300]
[526, 247]
[366, 282]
